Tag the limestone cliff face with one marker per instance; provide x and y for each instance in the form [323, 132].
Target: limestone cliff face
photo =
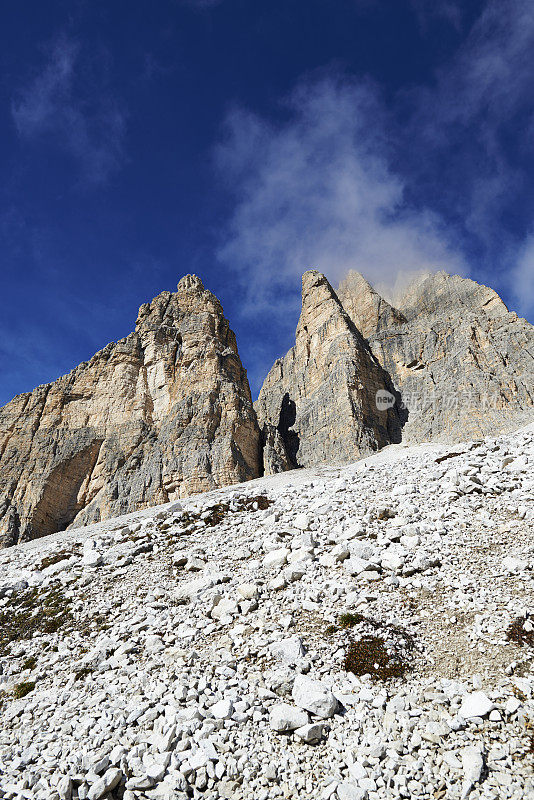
[442, 295]
[463, 364]
[167, 411]
[161, 414]
[318, 403]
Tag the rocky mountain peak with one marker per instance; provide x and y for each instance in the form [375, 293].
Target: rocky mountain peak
[442, 294]
[462, 364]
[320, 306]
[167, 411]
[367, 309]
[190, 283]
[163, 413]
[455, 362]
[316, 293]
[318, 403]
[169, 308]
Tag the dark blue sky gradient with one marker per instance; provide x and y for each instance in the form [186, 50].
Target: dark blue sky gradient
[114, 182]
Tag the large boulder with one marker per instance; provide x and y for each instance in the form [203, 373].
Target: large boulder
[312, 696]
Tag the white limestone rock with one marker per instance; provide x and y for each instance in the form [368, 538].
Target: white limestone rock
[314, 697]
[248, 591]
[223, 709]
[111, 778]
[276, 558]
[284, 718]
[312, 733]
[476, 704]
[289, 650]
[472, 764]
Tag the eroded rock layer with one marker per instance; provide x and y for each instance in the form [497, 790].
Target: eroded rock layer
[318, 403]
[161, 414]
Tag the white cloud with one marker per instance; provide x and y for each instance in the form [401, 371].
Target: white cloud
[84, 120]
[522, 279]
[487, 76]
[479, 116]
[345, 182]
[318, 191]
[479, 112]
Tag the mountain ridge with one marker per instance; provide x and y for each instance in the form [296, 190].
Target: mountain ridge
[167, 410]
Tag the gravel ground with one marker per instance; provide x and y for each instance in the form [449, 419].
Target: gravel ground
[348, 632]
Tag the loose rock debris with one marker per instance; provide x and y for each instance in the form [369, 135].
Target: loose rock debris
[356, 632]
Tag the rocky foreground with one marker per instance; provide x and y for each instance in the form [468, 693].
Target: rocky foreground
[345, 633]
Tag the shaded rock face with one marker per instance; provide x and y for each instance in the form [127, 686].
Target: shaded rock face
[161, 414]
[463, 364]
[318, 403]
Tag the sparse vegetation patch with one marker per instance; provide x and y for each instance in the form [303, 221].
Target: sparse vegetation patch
[55, 558]
[20, 690]
[33, 611]
[82, 673]
[521, 631]
[373, 648]
[350, 620]
[372, 655]
[385, 513]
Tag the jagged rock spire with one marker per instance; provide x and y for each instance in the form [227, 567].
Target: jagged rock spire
[321, 397]
[163, 413]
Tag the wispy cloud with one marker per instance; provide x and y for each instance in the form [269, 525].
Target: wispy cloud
[428, 14]
[422, 182]
[478, 119]
[521, 280]
[69, 105]
[478, 113]
[318, 191]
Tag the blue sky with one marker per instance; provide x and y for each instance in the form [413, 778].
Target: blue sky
[246, 142]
